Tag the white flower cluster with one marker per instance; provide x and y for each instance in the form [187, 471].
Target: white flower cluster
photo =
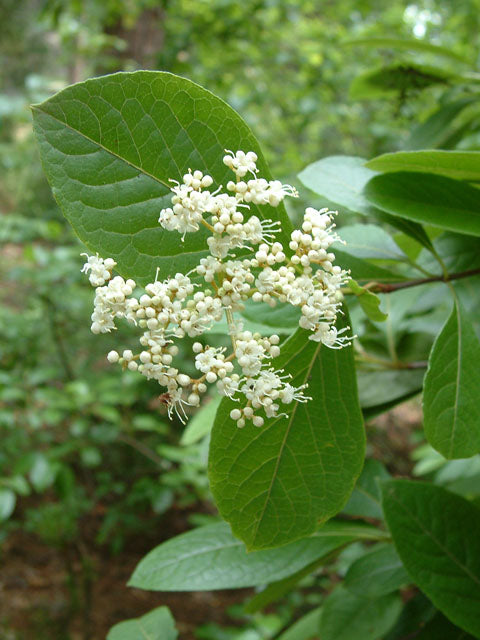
[302, 275]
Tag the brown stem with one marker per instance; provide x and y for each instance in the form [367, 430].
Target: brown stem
[378, 287]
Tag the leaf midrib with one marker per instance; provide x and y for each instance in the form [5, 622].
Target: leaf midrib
[457, 379]
[429, 533]
[99, 144]
[284, 441]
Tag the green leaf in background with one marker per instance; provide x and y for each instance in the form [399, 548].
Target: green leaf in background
[366, 498]
[364, 271]
[415, 614]
[435, 533]
[415, 45]
[7, 503]
[280, 588]
[369, 301]
[376, 573]
[428, 199]
[304, 629]
[202, 422]
[211, 558]
[302, 466]
[437, 128]
[451, 406]
[155, 625]
[397, 78]
[440, 627]
[458, 252]
[109, 147]
[341, 179]
[347, 616]
[380, 390]
[368, 241]
[461, 165]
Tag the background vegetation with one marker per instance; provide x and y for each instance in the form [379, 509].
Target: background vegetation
[92, 474]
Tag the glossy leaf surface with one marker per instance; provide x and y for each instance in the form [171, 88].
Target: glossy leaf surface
[276, 483]
[432, 531]
[211, 558]
[451, 389]
[109, 147]
[429, 199]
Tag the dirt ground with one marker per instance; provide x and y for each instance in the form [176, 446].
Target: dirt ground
[38, 603]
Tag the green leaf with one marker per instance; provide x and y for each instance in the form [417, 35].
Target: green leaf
[429, 199]
[434, 532]
[302, 466]
[368, 241]
[364, 271]
[17, 483]
[461, 165]
[451, 390]
[109, 147]
[7, 503]
[369, 302]
[202, 422]
[211, 558]
[440, 627]
[278, 589]
[155, 625]
[341, 179]
[304, 629]
[347, 616]
[366, 499]
[397, 78]
[43, 472]
[376, 573]
[415, 45]
[416, 612]
[435, 131]
[381, 390]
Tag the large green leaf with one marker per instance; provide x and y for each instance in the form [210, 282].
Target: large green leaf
[109, 147]
[461, 165]
[435, 533]
[211, 558]
[451, 405]
[155, 625]
[376, 573]
[347, 616]
[341, 179]
[275, 484]
[429, 199]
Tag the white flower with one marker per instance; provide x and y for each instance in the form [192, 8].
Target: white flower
[304, 276]
[100, 270]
